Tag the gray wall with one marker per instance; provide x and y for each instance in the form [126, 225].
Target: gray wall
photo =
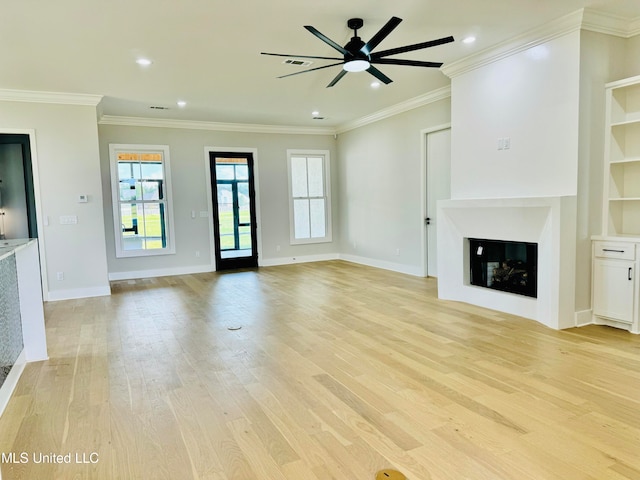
[66, 164]
[381, 188]
[602, 60]
[189, 185]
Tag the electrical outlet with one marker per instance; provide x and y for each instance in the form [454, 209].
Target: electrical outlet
[60, 275]
[197, 253]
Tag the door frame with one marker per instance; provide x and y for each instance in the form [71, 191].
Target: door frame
[424, 134]
[209, 178]
[41, 221]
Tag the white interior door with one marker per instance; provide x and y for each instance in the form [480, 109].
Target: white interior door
[438, 148]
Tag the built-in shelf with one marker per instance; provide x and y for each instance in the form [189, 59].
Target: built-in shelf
[626, 160]
[621, 209]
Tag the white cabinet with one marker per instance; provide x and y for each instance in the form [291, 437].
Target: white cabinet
[615, 289]
[613, 297]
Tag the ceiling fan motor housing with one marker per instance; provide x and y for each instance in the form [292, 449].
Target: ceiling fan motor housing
[353, 47]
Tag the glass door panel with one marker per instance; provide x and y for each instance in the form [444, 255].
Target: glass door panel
[234, 222]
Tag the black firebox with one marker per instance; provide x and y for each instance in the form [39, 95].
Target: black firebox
[503, 265]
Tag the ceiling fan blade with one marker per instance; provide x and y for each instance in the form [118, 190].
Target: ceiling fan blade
[327, 40]
[381, 35]
[411, 63]
[311, 70]
[411, 48]
[337, 78]
[299, 56]
[379, 75]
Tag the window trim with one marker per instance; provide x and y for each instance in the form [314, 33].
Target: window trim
[325, 154]
[114, 149]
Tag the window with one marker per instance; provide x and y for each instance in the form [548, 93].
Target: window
[142, 209]
[309, 196]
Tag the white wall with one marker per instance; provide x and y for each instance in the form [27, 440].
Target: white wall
[67, 165]
[381, 198]
[189, 183]
[530, 97]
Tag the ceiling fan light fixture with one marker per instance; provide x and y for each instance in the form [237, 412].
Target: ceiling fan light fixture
[356, 66]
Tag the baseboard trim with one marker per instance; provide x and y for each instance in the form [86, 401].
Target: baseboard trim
[395, 267]
[160, 272]
[274, 262]
[72, 294]
[11, 381]
[270, 262]
[583, 318]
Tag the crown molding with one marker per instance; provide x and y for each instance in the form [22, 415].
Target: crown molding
[529, 39]
[609, 24]
[427, 98]
[634, 27]
[583, 19]
[217, 126]
[50, 97]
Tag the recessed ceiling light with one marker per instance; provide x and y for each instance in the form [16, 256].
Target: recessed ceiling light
[145, 62]
[182, 103]
[375, 84]
[469, 40]
[315, 113]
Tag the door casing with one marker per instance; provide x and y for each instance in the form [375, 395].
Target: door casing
[209, 175]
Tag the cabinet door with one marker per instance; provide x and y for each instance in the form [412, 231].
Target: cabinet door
[613, 282]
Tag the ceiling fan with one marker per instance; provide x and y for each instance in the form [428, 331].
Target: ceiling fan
[358, 56]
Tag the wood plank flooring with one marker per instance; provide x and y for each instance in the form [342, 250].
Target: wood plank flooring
[338, 371]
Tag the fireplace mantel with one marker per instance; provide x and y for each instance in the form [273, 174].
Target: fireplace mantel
[548, 221]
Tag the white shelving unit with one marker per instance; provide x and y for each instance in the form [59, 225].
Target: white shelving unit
[622, 159]
[616, 253]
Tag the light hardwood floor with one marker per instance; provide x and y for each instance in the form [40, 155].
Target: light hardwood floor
[338, 371]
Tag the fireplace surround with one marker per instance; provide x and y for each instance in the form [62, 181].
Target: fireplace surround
[548, 221]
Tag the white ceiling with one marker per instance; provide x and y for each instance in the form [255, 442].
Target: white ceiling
[207, 52]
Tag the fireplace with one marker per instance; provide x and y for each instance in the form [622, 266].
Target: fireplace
[550, 222]
[504, 265]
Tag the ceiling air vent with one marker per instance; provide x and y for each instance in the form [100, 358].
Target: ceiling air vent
[158, 107]
[297, 62]
[318, 118]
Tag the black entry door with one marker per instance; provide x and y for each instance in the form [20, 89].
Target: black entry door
[234, 218]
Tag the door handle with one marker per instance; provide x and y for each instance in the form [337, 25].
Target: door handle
[629, 276]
